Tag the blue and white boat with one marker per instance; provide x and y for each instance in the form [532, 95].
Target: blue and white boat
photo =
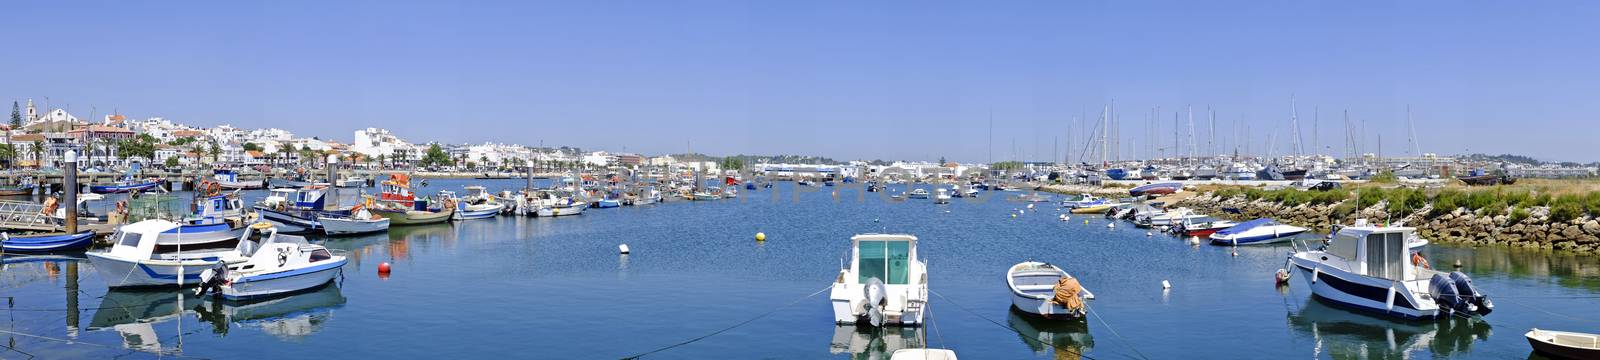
[1117, 173]
[1084, 200]
[45, 242]
[133, 260]
[277, 264]
[478, 204]
[1254, 232]
[296, 210]
[125, 185]
[607, 203]
[229, 179]
[1372, 269]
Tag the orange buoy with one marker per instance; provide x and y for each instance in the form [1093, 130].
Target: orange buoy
[383, 268]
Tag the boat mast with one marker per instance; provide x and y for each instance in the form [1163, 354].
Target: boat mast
[1294, 127]
[1193, 145]
[1411, 136]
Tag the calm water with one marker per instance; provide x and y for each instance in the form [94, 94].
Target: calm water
[556, 288]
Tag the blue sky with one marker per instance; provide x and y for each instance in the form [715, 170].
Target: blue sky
[892, 80]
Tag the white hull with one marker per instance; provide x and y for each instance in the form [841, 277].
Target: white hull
[1259, 235]
[480, 211]
[1332, 283]
[146, 273]
[846, 300]
[337, 226]
[244, 184]
[559, 211]
[282, 282]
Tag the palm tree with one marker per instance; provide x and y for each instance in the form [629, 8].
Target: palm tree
[38, 153]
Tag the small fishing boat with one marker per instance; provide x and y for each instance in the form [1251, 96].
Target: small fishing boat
[561, 210]
[418, 214]
[1094, 209]
[1044, 290]
[45, 242]
[918, 193]
[704, 195]
[25, 188]
[1082, 201]
[126, 185]
[1203, 227]
[229, 179]
[607, 203]
[360, 221]
[477, 204]
[1370, 268]
[351, 181]
[1156, 189]
[1564, 345]
[133, 260]
[1167, 219]
[397, 190]
[276, 264]
[296, 210]
[941, 196]
[1256, 232]
[884, 284]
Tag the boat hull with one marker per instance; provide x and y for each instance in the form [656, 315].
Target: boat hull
[1547, 343]
[480, 212]
[242, 184]
[284, 282]
[1093, 209]
[122, 188]
[1258, 236]
[413, 217]
[559, 211]
[120, 273]
[1362, 293]
[48, 243]
[289, 223]
[341, 226]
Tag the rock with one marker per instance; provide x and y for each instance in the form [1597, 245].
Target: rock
[1592, 227]
[1572, 232]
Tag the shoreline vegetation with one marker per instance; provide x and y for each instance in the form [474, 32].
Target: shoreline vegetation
[1559, 215]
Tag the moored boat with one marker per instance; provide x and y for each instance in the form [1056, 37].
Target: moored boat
[918, 193]
[1564, 344]
[276, 264]
[45, 242]
[1156, 189]
[229, 179]
[360, 221]
[125, 185]
[1372, 269]
[132, 260]
[1254, 232]
[419, 214]
[1044, 290]
[884, 284]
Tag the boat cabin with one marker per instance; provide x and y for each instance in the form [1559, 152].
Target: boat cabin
[309, 198]
[214, 209]
[887, 257]
[397, 189]
[1380, 252]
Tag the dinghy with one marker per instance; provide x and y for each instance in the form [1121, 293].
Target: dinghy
[1034, 290]
[45, 242]
[1564, 345]
[277, 264]
[360, 221]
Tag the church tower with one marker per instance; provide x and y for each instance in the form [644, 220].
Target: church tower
[33, 113]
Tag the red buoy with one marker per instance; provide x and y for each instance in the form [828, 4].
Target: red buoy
[383, 268]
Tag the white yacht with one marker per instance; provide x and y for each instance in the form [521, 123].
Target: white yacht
[885, 283]
[941, 196]
[1372, 268]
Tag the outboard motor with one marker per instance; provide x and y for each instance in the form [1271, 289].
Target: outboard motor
[1470, 293]
[872, 312]
[211, 279]
[1446, 296]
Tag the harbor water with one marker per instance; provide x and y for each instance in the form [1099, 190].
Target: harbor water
[520, 287]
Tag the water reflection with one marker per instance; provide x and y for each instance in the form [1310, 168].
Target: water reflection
[1566, 269]
[873, 342]
[1067, 339]
[138, 315]
[1345, 334]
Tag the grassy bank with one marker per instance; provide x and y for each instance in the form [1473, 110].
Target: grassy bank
[1567, 199]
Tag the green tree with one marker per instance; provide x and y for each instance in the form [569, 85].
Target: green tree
[251, 147]
[172, 161]
[16, 116]
[38, 153]
[8, 151]
[436, 157]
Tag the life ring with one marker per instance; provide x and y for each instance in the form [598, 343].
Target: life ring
[1418, 260]
[213, 188]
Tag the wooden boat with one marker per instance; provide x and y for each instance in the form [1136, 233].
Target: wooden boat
[1033, 289]
[1564, 345]
[1478, 177]
[45, 242]
[1093, 209]
[418, 215]
[359, 223]
[18, 190]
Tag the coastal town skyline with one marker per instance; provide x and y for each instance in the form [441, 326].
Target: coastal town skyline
[879, 82]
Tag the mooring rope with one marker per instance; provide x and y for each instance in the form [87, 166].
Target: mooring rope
[719, 331]
[1008, 327]
[1114, 331]
[75, 342]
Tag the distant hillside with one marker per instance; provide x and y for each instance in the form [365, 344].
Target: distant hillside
[1507, 158]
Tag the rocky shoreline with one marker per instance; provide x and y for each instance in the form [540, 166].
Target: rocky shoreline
[1536, 230]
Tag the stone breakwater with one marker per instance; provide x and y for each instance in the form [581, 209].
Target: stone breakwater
[1536, 230]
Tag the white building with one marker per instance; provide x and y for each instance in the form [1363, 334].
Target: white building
[374, 142]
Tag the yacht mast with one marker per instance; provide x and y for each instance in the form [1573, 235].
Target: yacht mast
[1294, 126]
[1411, 136]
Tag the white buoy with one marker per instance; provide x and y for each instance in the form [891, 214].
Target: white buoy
[1165, 285]
[1194, 240]
[1148, 234]
[623, 248]
[1109, 225]
[1030, 206]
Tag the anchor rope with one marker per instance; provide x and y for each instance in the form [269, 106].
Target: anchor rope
[725, 329]
[1114, 331]
[1009, 327]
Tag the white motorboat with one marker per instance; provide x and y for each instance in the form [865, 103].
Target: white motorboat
[133, 260]
[1167, 219]
[575, 208]
[229, 179]
[1033, 291]
[1255, 232]
[941, 196]
[1372, 268]
[278, 264]
[477, 204]
[885, 283]
[360, 221]
[351, 181]
[918, 193]
[1083, 200]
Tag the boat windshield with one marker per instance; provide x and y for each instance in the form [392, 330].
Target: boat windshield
[129, 239]
[885, 260]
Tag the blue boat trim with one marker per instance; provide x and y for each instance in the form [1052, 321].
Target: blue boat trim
[1359, 290]
[301, 271]
[48, 243]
